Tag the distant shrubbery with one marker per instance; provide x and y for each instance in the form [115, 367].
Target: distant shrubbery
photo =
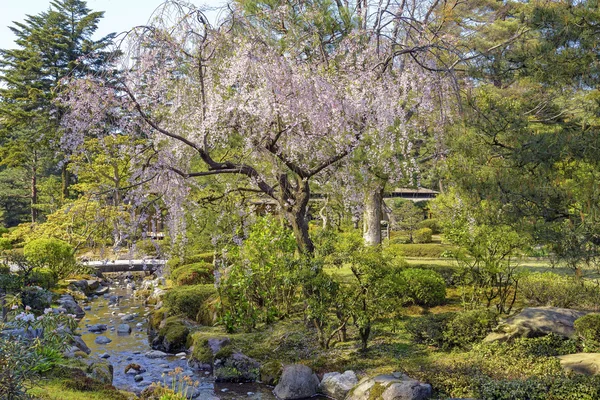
[588, 329]
[550, 289]
[432, 224]
[425, 250]
[422, 235]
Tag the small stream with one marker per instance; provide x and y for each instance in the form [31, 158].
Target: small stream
[125, 349]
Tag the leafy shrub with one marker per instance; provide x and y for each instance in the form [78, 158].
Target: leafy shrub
[550, 289]
[42, 277]
[429, 329]
[423, 287]
[261, 283]
[448, 272]
[432, 224]
[193, 274]
[5, 244]
[188, 300]
[425, 250]
[37, 298]
[588, 329]
[53, 254]
[468, 327]
[422, 235]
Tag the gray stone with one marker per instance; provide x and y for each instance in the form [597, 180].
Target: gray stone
[338, 385]
[102, 291]
[128, 318]
[67, 302]
[390, 387]
[87, 308]
[537, 321]
[105, 355]
[102, 340]
[581, 363]
[124, 328]
[217, 344]
[97, 328]
[81, 345]
[138, 378]
[297, 382]
[156, 354]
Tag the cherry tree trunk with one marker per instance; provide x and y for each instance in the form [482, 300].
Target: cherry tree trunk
[296, 216]
[373, 214]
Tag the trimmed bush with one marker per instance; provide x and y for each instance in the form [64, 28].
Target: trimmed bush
[468, 327]
[425, 250]
[193, 274]
[422, 235]
[432, 224]
[5, 244]
[149, 247]
[588, 329]
[53, 254]
[423, 287]
[448, 272]
[188, 300]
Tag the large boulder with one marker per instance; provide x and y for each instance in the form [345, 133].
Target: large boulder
[297, 382]
[537, 321]
[581, 363]
[390, 387]
[338, 385]
[101, 370]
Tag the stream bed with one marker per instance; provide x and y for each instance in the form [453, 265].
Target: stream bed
[131, 348]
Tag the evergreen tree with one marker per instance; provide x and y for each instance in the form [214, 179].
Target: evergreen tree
[50, 46]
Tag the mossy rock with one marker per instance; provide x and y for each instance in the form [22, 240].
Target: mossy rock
[188, 300]
[208, 314]
[270, 372]
[173, 335]
[193, 274]
[156, 317]
[202, 353]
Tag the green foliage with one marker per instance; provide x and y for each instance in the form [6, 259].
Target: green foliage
[36, 298]
[53, 254]
[261, 283]
[468, 327]
[374, 288]
[427, 250]
[429, 329]
[432, 224]
[5, 244]
[42, 277]
[206, 257]
[188, 300]
[193, 274]
[588, 329]
[422, 235]
[18, 368]
[423, 287]
[551, 289]
[149, 247]
[406, 217]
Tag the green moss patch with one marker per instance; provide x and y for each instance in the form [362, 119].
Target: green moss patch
[188, 300]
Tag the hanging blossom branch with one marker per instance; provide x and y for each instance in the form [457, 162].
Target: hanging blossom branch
[198, 93]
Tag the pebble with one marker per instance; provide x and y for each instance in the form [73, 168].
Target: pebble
[87, 308]
[105, 355]
[224, 390]
[129, 358]
[164, 365]
[180, 354]
[102, 340]
[250, 393]
[139, 324]
[138, 378]
[137, 352]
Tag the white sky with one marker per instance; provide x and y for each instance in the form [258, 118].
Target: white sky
[120, 15]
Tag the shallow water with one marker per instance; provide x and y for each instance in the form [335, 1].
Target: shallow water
[131, 348]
